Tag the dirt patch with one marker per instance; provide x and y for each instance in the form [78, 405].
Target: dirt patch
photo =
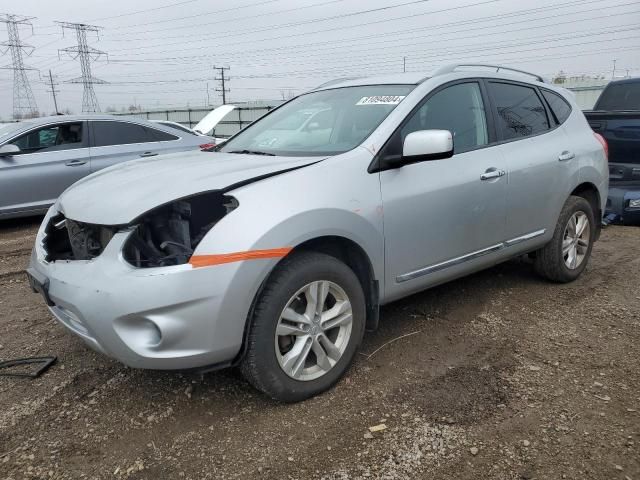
[499, 375]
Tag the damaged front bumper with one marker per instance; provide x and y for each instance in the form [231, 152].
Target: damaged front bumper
[173, 317]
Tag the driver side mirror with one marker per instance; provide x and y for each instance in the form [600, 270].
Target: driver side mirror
[427, 145]
[8, 150]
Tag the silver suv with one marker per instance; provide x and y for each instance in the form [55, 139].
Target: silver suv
[275, 251]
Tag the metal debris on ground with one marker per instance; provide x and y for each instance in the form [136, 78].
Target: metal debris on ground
[44, 362]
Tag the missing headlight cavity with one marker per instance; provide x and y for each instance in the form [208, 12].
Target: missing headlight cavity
[66, 239]
[169, 234]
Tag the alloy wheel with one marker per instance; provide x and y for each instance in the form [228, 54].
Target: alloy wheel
[313, 330]
[576, 239]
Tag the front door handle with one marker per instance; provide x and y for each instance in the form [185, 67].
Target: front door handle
[148, 154]
[75, 163]
[492, 173]
[566, 156]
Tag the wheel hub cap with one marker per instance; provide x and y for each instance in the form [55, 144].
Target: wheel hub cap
[313, 330]
[576, 240]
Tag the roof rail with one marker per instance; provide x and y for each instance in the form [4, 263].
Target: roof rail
[454, 66]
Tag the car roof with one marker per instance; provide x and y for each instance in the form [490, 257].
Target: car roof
[81, 117]
[625, 80]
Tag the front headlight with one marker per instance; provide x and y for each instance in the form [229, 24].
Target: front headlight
[168, 235]
[634, 203]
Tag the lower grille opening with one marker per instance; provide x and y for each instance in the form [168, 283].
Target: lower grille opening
[67, 239]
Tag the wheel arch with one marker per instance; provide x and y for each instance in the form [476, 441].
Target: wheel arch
[345, 250]
[591, 194]
[355, 257]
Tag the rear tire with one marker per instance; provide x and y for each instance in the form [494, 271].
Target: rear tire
[297, 347]
[565, 257]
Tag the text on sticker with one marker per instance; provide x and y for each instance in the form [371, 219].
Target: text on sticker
[381, 100]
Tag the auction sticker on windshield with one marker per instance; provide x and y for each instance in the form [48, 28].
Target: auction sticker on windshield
[381, 100]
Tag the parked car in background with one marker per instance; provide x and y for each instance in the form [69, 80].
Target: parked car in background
[40, 158]
[616, 116]
[206, 126]
[276, 256]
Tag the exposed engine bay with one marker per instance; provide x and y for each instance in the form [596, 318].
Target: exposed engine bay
[168, 235]
[165, 236]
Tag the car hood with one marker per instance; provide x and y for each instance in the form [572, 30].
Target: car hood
[119, 194]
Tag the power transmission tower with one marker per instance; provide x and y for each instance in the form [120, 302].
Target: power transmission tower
[222, 79]
[53, 92]
[86, 54]
[24, 103]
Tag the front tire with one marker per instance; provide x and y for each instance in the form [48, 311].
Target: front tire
[306, 326]
[566, 256]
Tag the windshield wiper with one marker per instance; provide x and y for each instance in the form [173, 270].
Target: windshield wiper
[253, 152]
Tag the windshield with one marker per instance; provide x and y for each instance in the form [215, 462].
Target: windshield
[328, 122]
[8, 129]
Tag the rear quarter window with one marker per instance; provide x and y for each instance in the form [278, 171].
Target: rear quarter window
[520, 112]
[559, 106]
[160, 136]
[119, 133]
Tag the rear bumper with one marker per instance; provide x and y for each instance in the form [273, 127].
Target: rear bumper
[619, 204]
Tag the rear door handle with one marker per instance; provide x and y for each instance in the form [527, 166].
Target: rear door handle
[566, 156]
[492, 173]
[75, 163]
[148, 154]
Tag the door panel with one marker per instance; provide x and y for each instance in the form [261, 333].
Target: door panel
[53, 158]
[438, 211]
[441, 216]
[115, 142]
[34, 181]
[538, 181]
[538, 156]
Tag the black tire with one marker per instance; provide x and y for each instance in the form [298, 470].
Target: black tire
[550, 261]
[260, 365]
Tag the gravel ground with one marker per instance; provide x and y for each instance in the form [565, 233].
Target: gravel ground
[499, 375]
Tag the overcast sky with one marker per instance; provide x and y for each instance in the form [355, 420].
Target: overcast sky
[161, 52]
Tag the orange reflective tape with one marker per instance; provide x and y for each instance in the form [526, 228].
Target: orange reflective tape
[208, 260]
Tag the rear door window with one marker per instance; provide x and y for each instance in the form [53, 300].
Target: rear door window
[520, 112]
[559, 106]
[107, 133]
[51, 138]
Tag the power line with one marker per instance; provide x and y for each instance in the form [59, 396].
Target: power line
[86, 54]
[392, 58]
[204, 14]
[24, 103]
[303, 22]
[491, 18]
[143, 11]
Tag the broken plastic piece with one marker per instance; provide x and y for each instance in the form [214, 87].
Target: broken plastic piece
[45, 361]
[377, 428]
